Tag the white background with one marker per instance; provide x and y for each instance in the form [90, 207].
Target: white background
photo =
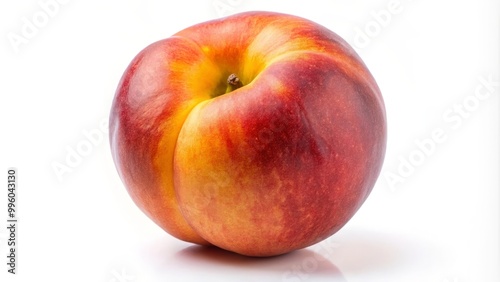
[437, 221]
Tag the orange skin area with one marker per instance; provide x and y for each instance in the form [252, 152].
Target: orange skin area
[276, 165]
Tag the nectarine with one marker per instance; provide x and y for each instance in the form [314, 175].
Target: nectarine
[260, 133]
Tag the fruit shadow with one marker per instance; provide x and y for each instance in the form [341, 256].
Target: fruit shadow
[366, 252]
[295, 266]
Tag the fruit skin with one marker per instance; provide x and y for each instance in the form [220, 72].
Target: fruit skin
[274, 166]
